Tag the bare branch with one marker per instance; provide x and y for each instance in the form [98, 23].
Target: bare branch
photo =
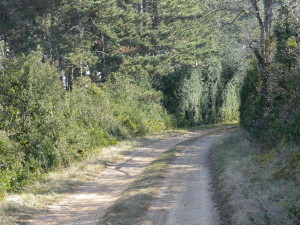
[235, 18]
[257, 13]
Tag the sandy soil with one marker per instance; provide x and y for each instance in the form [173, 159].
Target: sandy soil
[188, 186]
[186, 196]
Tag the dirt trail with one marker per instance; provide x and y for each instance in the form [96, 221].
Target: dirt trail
[89, 203]
[186, 196]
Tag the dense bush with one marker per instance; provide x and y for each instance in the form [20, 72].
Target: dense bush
[11, 159]
[270, 96]
[274, 118]
[249, 98]
[43, 126]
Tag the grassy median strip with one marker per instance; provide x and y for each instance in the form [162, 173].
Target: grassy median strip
[137, 198]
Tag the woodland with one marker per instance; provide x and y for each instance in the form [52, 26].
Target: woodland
[76, 75]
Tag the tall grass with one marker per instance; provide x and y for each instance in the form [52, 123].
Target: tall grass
[254, 185]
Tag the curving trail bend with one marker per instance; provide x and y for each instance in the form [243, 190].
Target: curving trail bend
[185, 196]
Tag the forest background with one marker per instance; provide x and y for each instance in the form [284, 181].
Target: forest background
[81, 74]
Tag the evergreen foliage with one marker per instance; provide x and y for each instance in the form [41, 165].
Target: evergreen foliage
[80, 74]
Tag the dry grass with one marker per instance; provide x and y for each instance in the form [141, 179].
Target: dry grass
[137, 198]
[249, 191]
[55, 185]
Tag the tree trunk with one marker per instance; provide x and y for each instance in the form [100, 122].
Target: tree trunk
[69, 79]
[264, 51]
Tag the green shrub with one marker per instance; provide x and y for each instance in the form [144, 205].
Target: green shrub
[50, 127]
[11, 159]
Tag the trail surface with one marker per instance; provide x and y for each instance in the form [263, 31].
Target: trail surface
[186, 196]
[88, 204]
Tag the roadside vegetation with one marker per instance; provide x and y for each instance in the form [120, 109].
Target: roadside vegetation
[257, 186]
[43, 127]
